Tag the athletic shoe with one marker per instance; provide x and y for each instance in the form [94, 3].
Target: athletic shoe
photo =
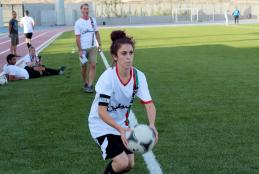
[85, 87]
[61, 70]
[89, 89]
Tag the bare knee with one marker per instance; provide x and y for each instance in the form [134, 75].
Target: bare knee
[120, 163]
[92, 66]
[83, 68]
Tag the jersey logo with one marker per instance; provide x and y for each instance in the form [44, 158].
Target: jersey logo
[114, 108]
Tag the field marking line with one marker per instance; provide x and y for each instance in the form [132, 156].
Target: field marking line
[149, 157]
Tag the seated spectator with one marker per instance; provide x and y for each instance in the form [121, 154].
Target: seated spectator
[34, 63]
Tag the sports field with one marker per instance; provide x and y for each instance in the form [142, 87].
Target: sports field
[204, 81]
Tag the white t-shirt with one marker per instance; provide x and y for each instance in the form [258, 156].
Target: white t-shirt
[31, 61]
[86, 31]
[28, 23]
[16, 71]
[110, 90]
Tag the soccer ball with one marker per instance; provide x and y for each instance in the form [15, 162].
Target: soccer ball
[3, 80]
[141, 139]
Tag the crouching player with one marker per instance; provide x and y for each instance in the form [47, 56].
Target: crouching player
[115, 90]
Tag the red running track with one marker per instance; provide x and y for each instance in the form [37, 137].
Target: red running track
[38, 38]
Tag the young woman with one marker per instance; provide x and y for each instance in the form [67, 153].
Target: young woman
[115, 89]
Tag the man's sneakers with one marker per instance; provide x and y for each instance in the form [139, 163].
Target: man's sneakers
[88, 89]
[61, 70]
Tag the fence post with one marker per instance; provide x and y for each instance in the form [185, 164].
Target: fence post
[191, 16]
[130, 13]
[1, 16]
[60, 12]
[213, 17]
[197, 15]
[176, 14]
[172, 15]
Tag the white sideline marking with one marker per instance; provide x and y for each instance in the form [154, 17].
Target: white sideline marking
[149, 157]
[24, 42]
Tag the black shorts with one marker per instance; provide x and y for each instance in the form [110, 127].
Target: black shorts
[28, 35]
[111, 146]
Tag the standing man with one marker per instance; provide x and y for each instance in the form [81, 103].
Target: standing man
[86, 31]
[236, 15]
[27, 23]
[13, 33]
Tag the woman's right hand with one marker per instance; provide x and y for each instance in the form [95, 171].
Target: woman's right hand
[123, 135]
[81, 53]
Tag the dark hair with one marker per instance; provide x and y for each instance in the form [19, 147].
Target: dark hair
[9, 57]
[85, 4]
[119, 38]
[27, 12]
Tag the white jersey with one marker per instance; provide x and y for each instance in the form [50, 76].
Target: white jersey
[86, 30]
[16, 71]
[31, 60]
[110, 91]
[28, 24]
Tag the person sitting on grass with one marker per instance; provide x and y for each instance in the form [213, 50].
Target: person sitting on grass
[14, 72]
[34, 64]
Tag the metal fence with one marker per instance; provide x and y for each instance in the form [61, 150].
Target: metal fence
[7, 12]
[116, 12]
[161, 12]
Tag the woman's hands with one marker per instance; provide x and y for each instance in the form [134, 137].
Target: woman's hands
[123, 135]
[155, 131]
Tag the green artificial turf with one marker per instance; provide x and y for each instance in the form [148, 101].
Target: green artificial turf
[203, 80]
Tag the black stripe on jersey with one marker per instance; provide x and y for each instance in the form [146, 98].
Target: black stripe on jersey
[102, 104]
[104, 96]
[104, 100]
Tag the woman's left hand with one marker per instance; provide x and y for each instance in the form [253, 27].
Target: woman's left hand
[155, 131]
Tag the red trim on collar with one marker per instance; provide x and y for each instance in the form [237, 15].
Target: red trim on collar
[117, 72]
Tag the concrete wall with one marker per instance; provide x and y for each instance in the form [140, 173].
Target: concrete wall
[41, 13]
[44, 14]
[48, 18]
